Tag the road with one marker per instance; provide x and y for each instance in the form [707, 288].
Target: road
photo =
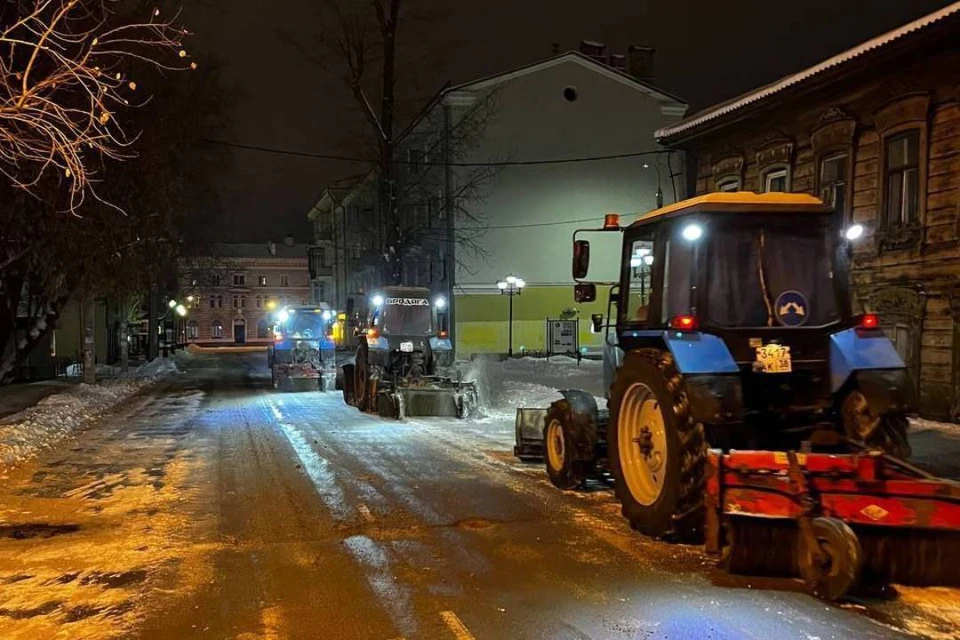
[211, 506]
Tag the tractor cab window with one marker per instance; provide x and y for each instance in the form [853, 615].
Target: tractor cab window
[677, 276]
[771, 276]
[641, 270]
[407, 316]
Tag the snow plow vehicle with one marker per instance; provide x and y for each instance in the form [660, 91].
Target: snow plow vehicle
[732, 326]
[303, 354]
[404, 363]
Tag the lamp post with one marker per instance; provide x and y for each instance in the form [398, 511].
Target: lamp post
[511, 286]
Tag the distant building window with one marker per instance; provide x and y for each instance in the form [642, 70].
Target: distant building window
[243, 302]
[902, 179]
[776, 180]
[259, 302]
[216, 329]
[833, 181]
[215, 279]
[321, 292]
[263, 328]
[262, 281]
[239, 279]
[731, 183]
[213, 302]
[193, 330]
[284, 281]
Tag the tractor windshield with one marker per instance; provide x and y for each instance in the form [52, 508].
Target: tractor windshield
[771, 276]
[304, 325]
[406, 317]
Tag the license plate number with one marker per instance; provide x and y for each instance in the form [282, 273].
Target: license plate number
[774, 358]
[406, 347]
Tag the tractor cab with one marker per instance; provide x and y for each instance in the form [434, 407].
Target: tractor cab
[749, 294]
[303, 345]
[406, 327]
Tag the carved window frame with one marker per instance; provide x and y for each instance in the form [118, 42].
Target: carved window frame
[833, 137]
[727, 170]
[904, 114]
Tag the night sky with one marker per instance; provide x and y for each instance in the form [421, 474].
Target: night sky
[706, 51]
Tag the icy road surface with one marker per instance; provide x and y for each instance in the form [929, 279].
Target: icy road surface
[211, 506]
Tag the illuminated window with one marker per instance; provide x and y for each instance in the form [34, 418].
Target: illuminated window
[262, 281]
[216, 329]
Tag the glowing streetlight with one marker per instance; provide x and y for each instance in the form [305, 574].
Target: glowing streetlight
[511, 286]
[171, 304]
[180, 309]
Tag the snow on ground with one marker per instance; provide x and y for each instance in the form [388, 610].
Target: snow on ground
[530, 382]
[24, 434]
[948, 429]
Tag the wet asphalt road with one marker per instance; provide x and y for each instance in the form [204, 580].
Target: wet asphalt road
[214, 507]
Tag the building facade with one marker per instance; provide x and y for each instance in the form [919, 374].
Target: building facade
[875, 131]
[231, 293]
[482, 195]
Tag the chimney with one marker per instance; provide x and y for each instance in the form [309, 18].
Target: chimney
[288, 240]
[272, 247]
[640, 62]
[554, 48]
[618, 61]
[594, 50]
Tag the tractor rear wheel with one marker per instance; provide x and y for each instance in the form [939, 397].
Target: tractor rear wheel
[656, 450]
[361, 379]
[565, 471]
[887, 432]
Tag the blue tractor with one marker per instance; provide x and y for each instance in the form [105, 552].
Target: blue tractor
[303, 353]
[732, 326]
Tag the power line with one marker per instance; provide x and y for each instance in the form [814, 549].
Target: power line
[505, 163]
[556, 223]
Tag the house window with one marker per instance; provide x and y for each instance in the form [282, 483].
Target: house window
[321, 291]
[213, 302]
[239, 279]
[243, 302]
[284, 281]
[902, 178]
[833, 181]
[731, 183]
[776, 180]
[215, 279]
[262, 281]
[193, 330]
[216, 329]
[259, 302]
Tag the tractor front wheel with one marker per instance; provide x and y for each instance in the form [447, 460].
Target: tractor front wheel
[656, 450]
[361, 379]
[565, 471]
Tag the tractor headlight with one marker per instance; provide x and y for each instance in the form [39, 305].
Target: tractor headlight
[853, 232]
[440, 302]
[692, 232]
[377, 300]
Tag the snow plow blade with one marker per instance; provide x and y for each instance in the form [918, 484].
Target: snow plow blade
[428, 397]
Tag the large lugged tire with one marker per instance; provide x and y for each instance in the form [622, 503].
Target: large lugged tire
[559, 449]
[656, 450]
[361, 379]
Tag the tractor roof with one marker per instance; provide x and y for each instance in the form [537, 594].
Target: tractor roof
[740, 202]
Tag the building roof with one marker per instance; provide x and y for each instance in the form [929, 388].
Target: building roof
[745, 201]
[576, 57]
[841, 59]
[259, 250]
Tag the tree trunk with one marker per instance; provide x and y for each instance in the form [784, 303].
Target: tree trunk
[152, 325]
[388, 222]
[124, 345]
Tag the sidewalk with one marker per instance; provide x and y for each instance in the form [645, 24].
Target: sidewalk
[16, 397]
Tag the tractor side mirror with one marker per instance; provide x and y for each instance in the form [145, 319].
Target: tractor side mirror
[581, 258]
[585, 292]
[597, 321]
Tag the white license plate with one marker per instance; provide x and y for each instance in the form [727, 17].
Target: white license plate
[406, 347]
[774, 358]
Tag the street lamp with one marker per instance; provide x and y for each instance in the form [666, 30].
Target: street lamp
[511, 286]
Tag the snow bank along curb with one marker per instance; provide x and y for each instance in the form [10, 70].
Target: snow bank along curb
[24, 434]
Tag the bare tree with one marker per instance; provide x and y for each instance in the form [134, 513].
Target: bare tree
[64, 76]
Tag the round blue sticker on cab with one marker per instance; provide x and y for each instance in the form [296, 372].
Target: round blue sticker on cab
[792, 308]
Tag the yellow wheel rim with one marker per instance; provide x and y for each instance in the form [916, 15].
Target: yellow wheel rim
[642, 444]
[556, 446]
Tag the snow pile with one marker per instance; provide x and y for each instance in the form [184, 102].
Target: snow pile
[529, 382]
[24, 434]
[948, 429]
